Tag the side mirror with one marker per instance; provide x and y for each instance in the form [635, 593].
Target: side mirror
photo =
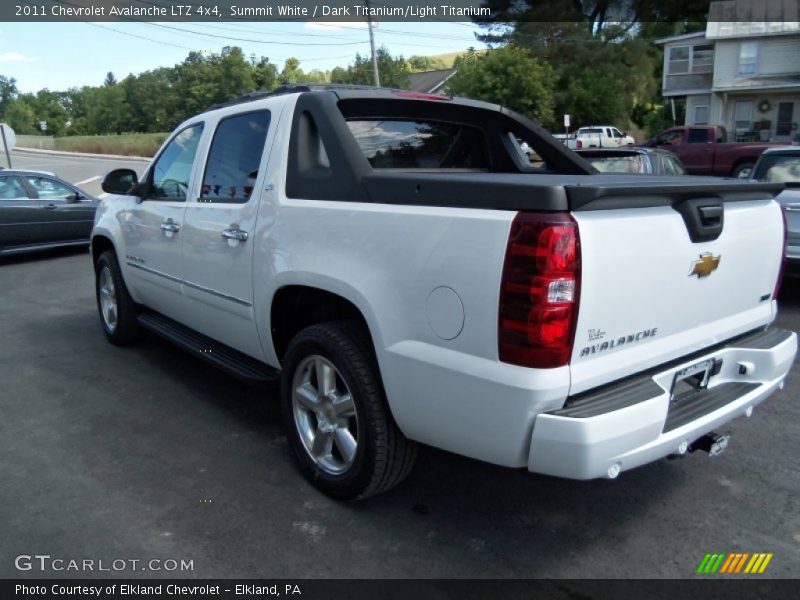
[73, 198]
[119, 181]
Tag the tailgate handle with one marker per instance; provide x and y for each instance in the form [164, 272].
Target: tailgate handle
[710, 216]
[703, 217]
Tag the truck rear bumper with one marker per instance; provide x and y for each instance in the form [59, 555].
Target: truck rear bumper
[633, 422]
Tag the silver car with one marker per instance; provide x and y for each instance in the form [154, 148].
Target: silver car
[782, 165]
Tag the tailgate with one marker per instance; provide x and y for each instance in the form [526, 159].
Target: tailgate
[667, 277]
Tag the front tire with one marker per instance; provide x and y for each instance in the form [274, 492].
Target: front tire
[336, 415]
[743, 171]
[114, 303]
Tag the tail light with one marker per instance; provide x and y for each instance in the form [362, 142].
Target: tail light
[783, 258]
[578, 144]
[539, 291]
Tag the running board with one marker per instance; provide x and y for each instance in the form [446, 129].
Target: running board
[224, 357]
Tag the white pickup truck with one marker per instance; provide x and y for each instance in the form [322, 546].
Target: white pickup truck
[398, 261]
[600, 136]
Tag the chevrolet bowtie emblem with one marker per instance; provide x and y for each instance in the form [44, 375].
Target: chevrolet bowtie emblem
[705, 265]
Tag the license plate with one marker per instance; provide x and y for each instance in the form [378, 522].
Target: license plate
[691, 378]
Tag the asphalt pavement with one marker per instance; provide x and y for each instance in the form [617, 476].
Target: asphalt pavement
[146, 453]
[84, 171]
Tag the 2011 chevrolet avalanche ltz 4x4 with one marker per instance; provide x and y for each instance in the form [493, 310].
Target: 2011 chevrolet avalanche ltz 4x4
[412, 276]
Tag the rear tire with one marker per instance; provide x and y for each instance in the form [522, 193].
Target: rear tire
[336, 415]
[115, 305]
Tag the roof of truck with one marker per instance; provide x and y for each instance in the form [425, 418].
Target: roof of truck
[353, 92]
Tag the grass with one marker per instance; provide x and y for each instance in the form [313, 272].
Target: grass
[126, 144]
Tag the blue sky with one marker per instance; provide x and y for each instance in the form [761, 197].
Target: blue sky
[58, 56]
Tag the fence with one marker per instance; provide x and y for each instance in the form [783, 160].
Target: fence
[40, 142]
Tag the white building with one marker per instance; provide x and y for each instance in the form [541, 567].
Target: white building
[741, 74]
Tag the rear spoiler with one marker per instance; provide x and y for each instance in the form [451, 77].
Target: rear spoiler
[658, 192]
[554, 192]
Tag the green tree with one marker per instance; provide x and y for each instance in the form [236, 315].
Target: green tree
[21, 115]
[510, 76]
[8, 91]
[393, 72]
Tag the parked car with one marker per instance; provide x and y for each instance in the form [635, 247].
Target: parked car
[397, 260]
[600, 136]
[636, 161]
[39, 210]
[705, 150]
[782, 165]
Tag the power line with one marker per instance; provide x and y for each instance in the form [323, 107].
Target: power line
[141, 37]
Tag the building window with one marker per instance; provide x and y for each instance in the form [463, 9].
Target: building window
[678, 60]
[743, 120]
[748, 58]
[701, 114]
[702, 59]
[690, 59]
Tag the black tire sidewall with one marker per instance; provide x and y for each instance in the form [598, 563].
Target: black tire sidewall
[126, 330]
[366, 398]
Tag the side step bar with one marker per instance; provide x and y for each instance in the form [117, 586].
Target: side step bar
[221, 356]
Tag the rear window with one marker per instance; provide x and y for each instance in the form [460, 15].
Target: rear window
[400, 144]
[615, 163]
[779, 168]
[590, 130]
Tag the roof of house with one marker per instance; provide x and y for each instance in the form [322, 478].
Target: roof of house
[428, 82]
[679, 38]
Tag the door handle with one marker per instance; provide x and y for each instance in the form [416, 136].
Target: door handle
[50, 206]
[234, 234]
[170, 226]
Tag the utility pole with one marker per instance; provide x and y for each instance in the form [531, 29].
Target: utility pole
[376, 79]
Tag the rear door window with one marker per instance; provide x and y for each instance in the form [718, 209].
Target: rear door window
[11, 188]
[698, 136]
[234, 158]
[398, 144]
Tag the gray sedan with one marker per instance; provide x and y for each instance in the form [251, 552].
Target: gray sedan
[39, 211]
[782, 164]
[634, 160]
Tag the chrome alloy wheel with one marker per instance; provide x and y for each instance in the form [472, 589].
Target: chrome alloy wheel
[108, 299]
[324, 414]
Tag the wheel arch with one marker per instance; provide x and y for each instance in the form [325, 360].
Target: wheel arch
[297, 306]
[101, 243]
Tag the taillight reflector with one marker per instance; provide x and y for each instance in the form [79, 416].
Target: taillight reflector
[539, 290]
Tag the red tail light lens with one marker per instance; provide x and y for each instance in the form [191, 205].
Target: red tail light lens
[783, 258]
[539, 290]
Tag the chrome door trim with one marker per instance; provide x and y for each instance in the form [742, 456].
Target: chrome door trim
[189, 284]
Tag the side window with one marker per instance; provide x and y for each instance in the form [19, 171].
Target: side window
[234, 158]
[11, 188]
[698, 136]
[47, 189]
[669, 137]
[170, 179]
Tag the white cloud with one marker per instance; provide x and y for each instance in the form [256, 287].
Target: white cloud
[17, 57]
[335, 26]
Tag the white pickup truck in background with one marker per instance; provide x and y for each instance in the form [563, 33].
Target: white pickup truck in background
[410, 275]
[600, 136]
